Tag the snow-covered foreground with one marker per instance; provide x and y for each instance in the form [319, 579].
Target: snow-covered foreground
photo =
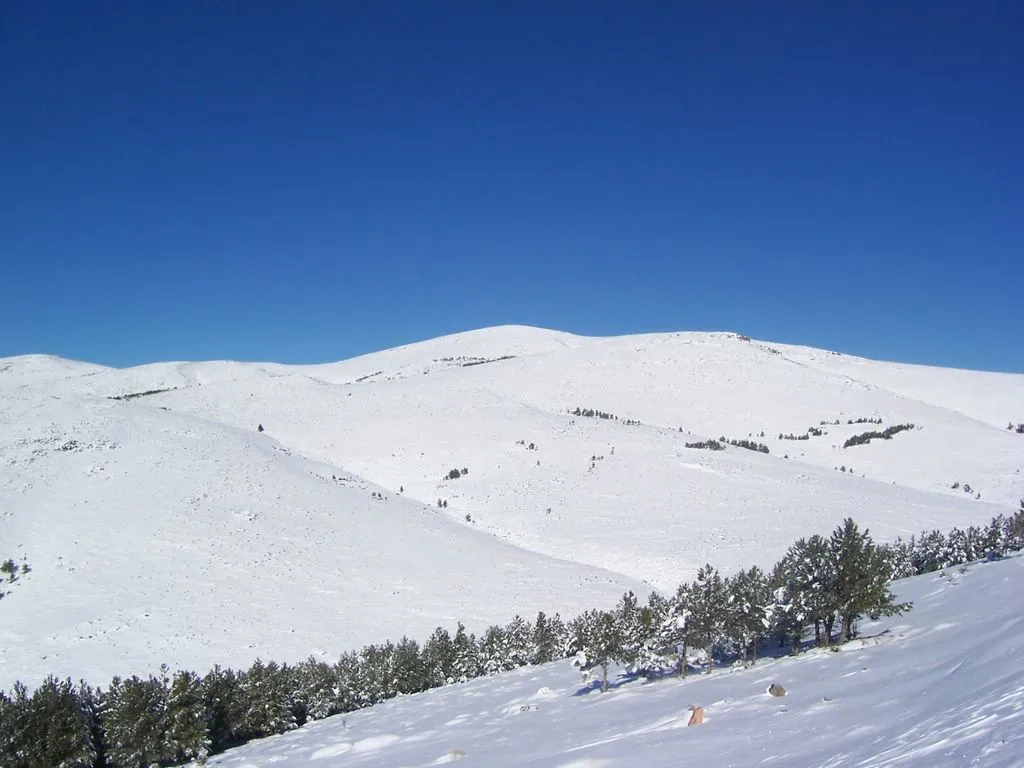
[165, 528]
[940, 686]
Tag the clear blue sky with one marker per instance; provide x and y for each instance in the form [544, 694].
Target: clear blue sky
[312, 180]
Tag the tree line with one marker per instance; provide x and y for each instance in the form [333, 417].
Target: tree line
[822, 588]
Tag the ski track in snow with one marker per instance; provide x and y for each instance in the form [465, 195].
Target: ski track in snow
[165, 528]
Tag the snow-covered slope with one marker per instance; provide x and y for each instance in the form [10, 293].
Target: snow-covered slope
[940, 686]
[171, 530]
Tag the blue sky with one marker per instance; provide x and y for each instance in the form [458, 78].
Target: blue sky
[308, 181]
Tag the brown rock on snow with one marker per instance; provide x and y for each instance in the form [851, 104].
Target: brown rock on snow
[696, 716]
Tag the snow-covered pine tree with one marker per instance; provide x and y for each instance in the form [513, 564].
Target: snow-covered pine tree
[674, 633]
[749, 611]
[518, 642]
[132, 715]
[594, 641]
[956, 551]
[56, 729]
[346, 672]
[863, 578]
[494, 651]
[707, 603]
[410, 673]
[466, 665]
[225, 704]
[638, 627]
[268, 693]
[14, 732]
[548, 639]
[651, 653]
[439, 658]
[375, 680]
[927, 551]
[186, 734]
[901, 558]
[319, 683]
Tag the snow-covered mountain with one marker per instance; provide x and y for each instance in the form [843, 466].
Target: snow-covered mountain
[163, 526]
[940, 686]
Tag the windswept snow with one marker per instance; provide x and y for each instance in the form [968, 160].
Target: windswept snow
[940, 686]
[163, 527]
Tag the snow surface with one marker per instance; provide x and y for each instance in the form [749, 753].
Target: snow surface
[165, 528]
[942, 685]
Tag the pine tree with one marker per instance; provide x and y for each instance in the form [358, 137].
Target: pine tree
[676, 629]
[268, 692]
[187, 735]
[707, 607]
[376, 678]
[493, 651]
[595, 641]
[650, 653]
[410, 673]
[15, 734]
[810, 571]
[466, 664]
[548, 639]
[518, 642]
[347, 673]
[319, 682]
[439, 658]
[132, 714]
[225, 703]
[52, 728]
[749, 610]
[863, 578]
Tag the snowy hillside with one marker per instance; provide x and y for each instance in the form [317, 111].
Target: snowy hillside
[941, 686]
[162, 526]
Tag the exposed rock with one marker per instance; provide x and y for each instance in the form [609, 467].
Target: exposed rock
[696, 716]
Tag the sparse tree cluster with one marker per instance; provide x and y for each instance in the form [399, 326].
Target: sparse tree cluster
[592, 413]
[822, 584]
[750, 445]
[11, 572]
[707, 445]
[886, 434]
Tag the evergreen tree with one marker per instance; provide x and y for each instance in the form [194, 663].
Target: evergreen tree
[863, 578]
[347, 674]
[15, 735]
[268, 691]
[187, 734]
[518, 642]
[410, 673]
[707, 606]
[54, 728]
[595, 641]
[375, 675]
[319, 682]
[676, 629]
[225, 703]
[493, 651]
[650, 653]
[749, 610]
[810, 571]
[900, 555]
[548, 639]
[466, 664]
[439, 658]
[132, 715]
